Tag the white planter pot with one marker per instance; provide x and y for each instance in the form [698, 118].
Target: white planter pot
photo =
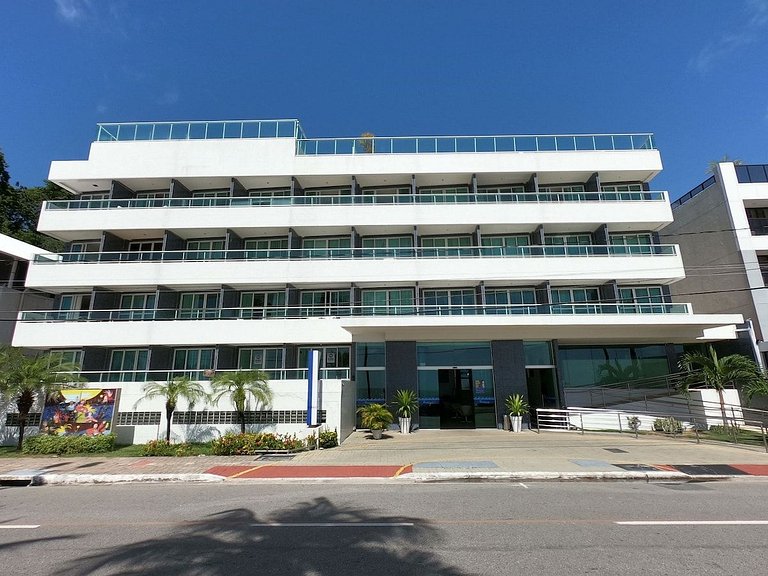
[377, 434]
[405, 425]
[516, 422]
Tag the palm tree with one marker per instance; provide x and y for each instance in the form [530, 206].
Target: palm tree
[239, 386]
[731, 371]
[26, 379]
[173, 390]
[712, 165]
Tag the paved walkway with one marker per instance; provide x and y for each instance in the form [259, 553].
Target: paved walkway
[425, 455]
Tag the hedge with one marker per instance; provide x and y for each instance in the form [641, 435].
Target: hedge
[63, 445]
[245, 444]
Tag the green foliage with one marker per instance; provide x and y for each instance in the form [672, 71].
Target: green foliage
[516, 405]
[668, 425]
[406, 403]
[246, 444]
[172, 391]
[375, 416]
[633, 422]
[239, 387]
[66, 445]
[163, 448]
[20, 209]
[26, 379]
[328, 438]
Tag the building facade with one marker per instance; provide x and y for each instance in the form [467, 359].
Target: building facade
[464, 268]
[721, 226]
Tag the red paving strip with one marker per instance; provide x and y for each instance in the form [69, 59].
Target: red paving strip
[665, 467]
[752, 469]
[309, 471]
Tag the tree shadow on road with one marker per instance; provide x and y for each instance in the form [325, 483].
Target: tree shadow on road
[294, 541]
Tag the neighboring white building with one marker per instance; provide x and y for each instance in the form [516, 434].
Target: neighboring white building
[721, 227]
[465, 268]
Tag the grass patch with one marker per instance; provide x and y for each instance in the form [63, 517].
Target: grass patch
[749, 437]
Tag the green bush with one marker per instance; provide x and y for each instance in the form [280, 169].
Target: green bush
[163, 448]
[668, 425]
[249, 443]
[328, 438]
[66, 445]
[311, 441]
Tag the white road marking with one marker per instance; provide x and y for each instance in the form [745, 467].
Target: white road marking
[523, 485]
[19, 526]
[693, 523]
[331, 524]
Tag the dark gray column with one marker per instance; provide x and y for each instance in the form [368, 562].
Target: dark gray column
[226, 358]
[178, 190]
[236, 189]
[95, 359]
[103, 300]
[400, 364]
[173, 242]
[544, 295]
[593, 184]
[356, 190]
[112, 243]
[473, 186]
[167, 302]
[234, 242]
[508, 372]
[537, 237]
[296, 188]
[609, 292]
[672, 358]
[533, 183]
[230, 299]
[558, 374]
[118, 191]
[601, 235]
[160, 362]
[413, 185]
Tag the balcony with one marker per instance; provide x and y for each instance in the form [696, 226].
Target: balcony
[758, 226]
[496, 197]
[474, 144]
[164, 375]
[660, 263]
[199, 130]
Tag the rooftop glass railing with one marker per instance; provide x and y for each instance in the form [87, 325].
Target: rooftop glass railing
[458, 144]
[361, 253]
[481, 197]
[166, 374]
[198, 130]
[292, 312]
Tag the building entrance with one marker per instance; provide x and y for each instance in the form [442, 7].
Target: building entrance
[457, 400]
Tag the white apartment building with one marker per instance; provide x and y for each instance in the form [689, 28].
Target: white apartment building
[721, 226]
[464, 268]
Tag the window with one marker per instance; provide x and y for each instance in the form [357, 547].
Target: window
[210, 198]
[638, 187]
[265, 248]
[260, 359]
[199, 305]
[327, 247]
[334, 360]
[128, 365]
[145, 249]
[752, 173]
[503, 245]
[631, 239]
[504, 194]
[153, 194]
[325, 303]
[642, 295]
[262, 304]
[136, 307]
[575, 300]
[509, 300]
[449, 302]
[387, 195]
[83, 251]
[441, 246]
[205, 249]
[387, 246]
[76, 305]
[562, 193]
[370, 372]
[387, 301]
[193, 362]
[450, 195]
[265, 198]
[567, 239]
[70, 356]
[152, 199]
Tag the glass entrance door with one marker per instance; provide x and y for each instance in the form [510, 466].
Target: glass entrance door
[457, 402]
[542, 389]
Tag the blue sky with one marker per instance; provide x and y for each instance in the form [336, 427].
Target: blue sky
[694, 72]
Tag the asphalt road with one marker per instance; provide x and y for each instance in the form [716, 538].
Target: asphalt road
[385, 529]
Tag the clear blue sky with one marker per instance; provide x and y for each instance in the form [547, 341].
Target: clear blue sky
[694, 72]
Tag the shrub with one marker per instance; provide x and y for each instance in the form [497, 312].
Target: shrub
[668, 425]
[311, 441]
[163, 448]
[634, 423]
[65, 445]
[249, 443]
[328, 438]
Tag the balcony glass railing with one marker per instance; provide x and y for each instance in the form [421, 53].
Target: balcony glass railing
[198, 130]
[334, 200]
[163, 375]
[454, 144]
[361, 253]
[758, 226]
[344, 311]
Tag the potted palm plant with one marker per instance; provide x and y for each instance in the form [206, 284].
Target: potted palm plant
[375, 417]
[517, 407]
[405, 405]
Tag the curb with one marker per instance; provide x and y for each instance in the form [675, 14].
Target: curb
[548, 476]
[73, 479]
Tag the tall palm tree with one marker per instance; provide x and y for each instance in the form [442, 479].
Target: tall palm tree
[239, 386]
[26, 379]
[734, 371]
[173, 390]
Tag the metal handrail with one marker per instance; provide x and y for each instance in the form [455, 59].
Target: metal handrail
[148, 374]
[299, 312]
[349, 199]
[546, 251]
[458, 144]
[198, 130]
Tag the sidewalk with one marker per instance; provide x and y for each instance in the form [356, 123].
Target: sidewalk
[427, 455]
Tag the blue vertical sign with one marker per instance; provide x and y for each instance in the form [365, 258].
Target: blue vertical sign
[313, 385]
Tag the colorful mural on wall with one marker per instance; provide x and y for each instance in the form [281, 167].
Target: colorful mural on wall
[74, 412]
